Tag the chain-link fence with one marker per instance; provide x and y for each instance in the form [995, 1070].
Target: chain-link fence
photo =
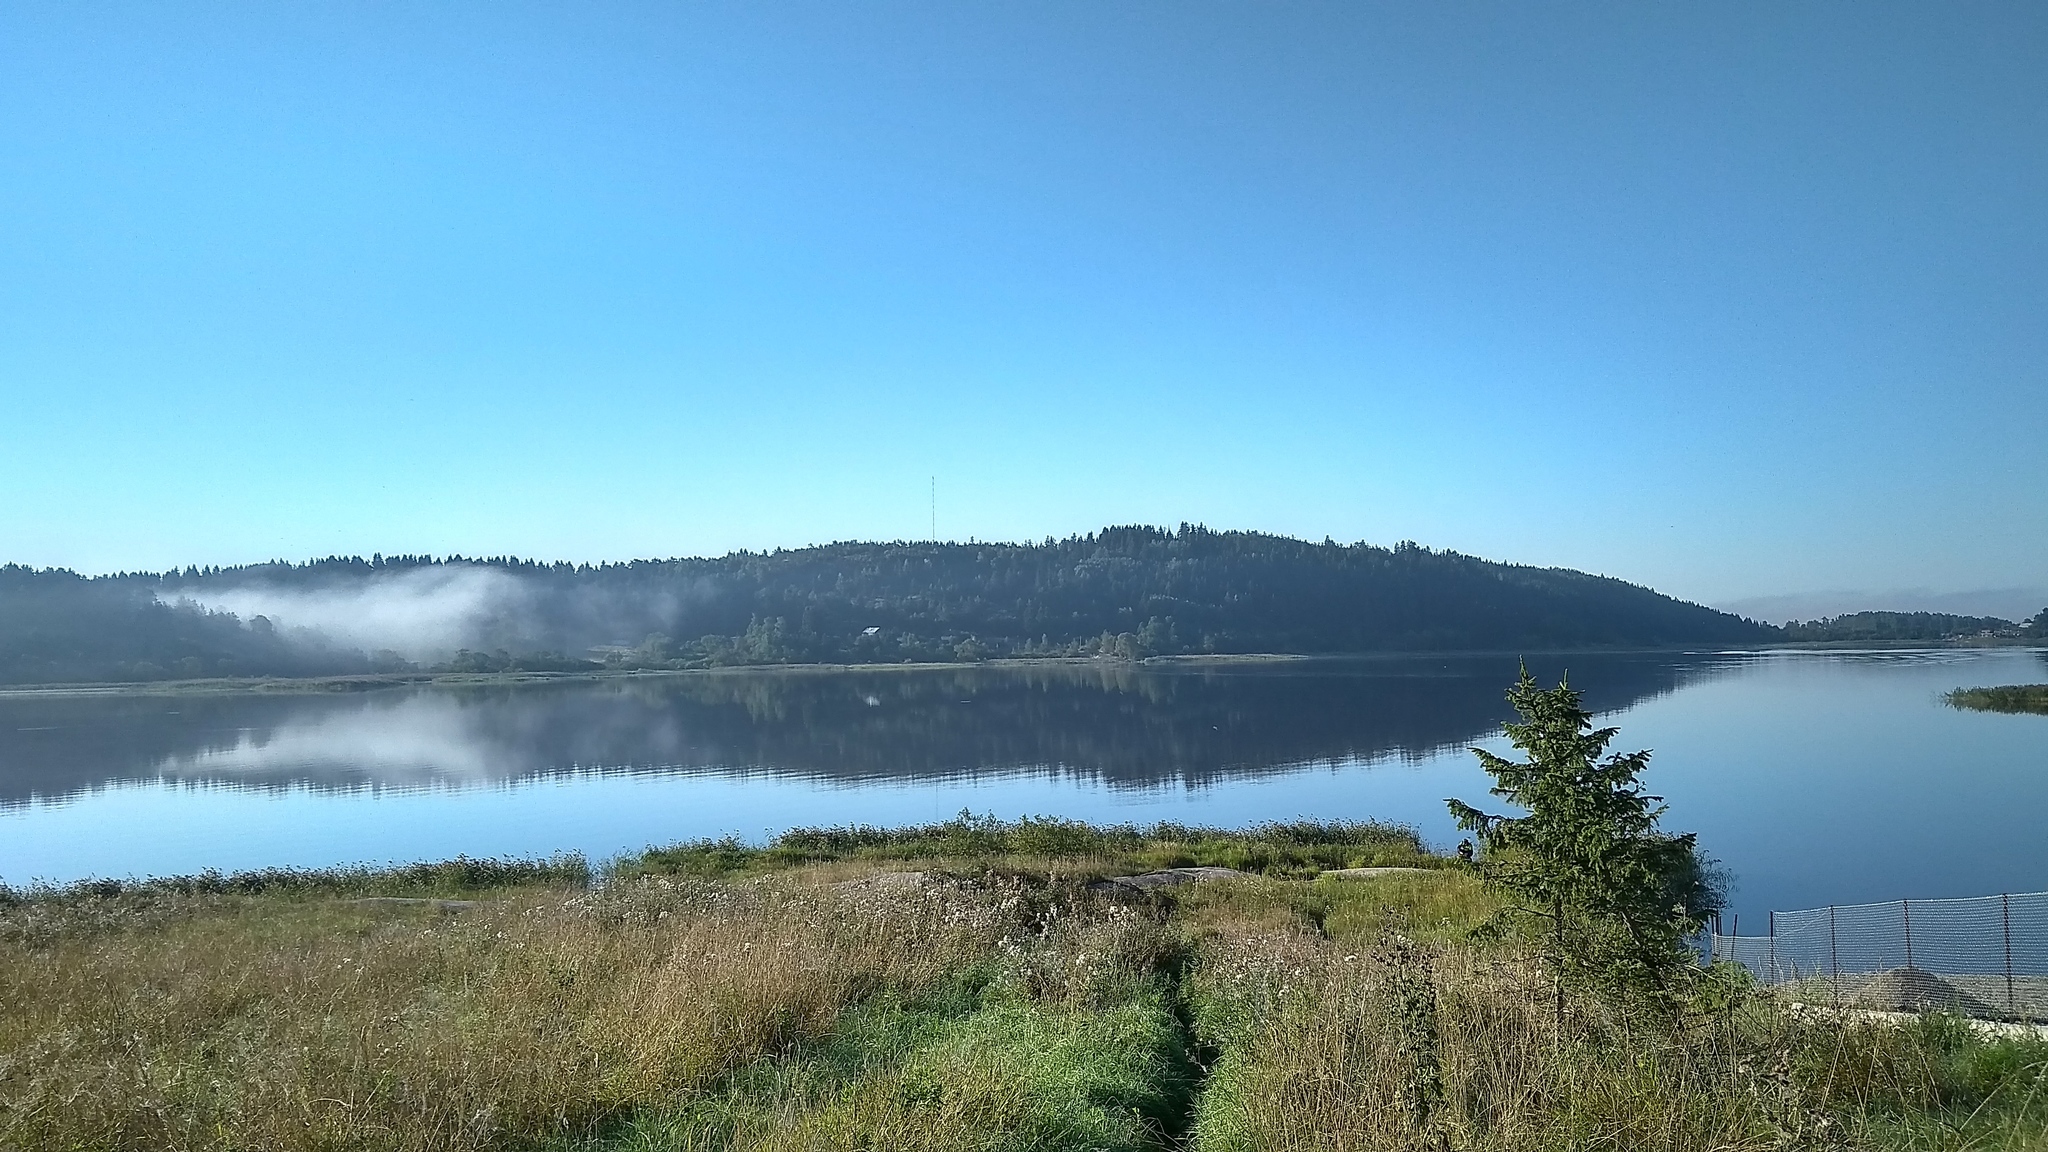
[1985, 956]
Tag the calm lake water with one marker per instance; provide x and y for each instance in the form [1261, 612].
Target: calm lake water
[1815, 777]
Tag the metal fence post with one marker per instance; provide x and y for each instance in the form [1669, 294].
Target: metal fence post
[2005, 907]
[1774, 946]
[1834, 959]
[1906, 910]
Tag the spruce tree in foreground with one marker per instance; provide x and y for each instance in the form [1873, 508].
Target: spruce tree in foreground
[1608, 897]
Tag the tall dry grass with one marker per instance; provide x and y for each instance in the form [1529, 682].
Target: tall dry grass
[1391, 1044]
[537, 1016]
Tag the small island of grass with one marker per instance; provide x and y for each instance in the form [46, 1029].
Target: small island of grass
[2004, 698]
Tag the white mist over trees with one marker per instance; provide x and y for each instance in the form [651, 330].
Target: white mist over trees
[426, 613]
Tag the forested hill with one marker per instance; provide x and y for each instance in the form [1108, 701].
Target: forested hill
[1124, 592]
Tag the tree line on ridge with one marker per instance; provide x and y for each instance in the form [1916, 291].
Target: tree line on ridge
[1122, 592]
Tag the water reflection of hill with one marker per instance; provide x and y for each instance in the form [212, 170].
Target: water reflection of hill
[1126, 725]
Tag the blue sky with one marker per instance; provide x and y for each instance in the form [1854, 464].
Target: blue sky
[1743, 302]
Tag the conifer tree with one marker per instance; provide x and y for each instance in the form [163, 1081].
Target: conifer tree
[1609, 898]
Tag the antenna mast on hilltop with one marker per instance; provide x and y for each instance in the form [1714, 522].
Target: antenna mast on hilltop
[935, 509]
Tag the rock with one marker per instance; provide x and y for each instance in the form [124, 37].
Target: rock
[1915, 990]
[1164, 878]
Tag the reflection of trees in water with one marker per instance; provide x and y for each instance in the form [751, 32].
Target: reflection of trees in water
[1128, 725]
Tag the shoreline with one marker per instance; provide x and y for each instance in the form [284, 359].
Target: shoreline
[380, 681]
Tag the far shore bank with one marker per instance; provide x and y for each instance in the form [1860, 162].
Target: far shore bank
[378, 681]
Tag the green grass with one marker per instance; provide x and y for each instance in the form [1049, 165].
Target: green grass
[2005, 698]
[982, 1072]
[1439, 905]
[1302, 848]
[462, 876]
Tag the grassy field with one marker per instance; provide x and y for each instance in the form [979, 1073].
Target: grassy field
[959, 986]
[2005, 698]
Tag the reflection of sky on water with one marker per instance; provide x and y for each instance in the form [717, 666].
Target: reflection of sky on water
[1818, 777]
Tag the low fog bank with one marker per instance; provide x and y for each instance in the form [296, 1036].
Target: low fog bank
[325, 618]
[471, 616]
[425, 615]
